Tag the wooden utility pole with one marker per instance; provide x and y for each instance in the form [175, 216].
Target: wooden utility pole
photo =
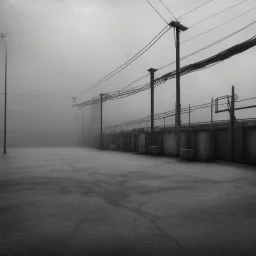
[178, 27]
[101, 120]
[232, 124]
[152, 78]
[5, 95]
[212, 111]
[189, 112]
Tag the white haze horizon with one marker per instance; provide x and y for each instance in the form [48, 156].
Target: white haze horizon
[59, 48]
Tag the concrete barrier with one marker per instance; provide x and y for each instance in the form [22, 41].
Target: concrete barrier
[203, 146]
[207, 142]
[169, 144]
[250, 145]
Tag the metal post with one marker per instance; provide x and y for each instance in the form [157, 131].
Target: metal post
[5, 96]
[177, 123]
[101, 119]
[178, 27]
[82, 133]
[212, 111]
[232, 124]
[152, 114]
[189, 115]
[164, 122]
[152, 74]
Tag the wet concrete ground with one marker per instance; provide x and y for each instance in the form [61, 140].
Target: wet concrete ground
[70, 201]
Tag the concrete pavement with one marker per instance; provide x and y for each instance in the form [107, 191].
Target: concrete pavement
[71, 201]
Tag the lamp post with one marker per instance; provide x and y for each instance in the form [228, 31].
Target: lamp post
[5, 93]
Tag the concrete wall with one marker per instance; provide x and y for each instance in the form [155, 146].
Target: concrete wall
[221, 144]
[208, 142]
[250, 148]
[169, 143]
[203, 143]
[141, 143]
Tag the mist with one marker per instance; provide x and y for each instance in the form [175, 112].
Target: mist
[58, 48]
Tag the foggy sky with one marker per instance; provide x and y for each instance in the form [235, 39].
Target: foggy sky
[61, 47]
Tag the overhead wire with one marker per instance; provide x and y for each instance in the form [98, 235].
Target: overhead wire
[218, 25]
[206, 63]
[246, 99]
[133, 59]
[137, 56]
[37, 95]
[132, 83]
[158, 13]
[110, 74]
[166, 7]
[218, 41]
[210, 45]
[215, 14]
[128, 62]
[184, 14]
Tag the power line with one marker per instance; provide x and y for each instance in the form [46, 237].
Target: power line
[212, 28]
[165, 6]
[206, 63]
[202, 49]
[136, 56]
[137, 80]
[37, 95]
[121, 67]
[218, 25]
[239, 48]
[210, 45]
[215, 14]
[195, 9]
[253, 98]
[143, 50]
[158, 13]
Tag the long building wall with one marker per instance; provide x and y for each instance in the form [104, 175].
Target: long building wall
[209, 143]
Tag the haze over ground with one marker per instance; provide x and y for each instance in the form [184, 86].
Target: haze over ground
[59, 48]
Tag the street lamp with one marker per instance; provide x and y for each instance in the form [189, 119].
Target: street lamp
[5, 92]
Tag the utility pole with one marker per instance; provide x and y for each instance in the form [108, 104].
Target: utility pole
[178, 27]
[212, 111]
[82, 132]
[77, 133]
[101, 120]
[232, 124]
[5, 95]
[152, 78]
[189, 111]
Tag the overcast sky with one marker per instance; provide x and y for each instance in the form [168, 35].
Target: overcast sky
[61, 47]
